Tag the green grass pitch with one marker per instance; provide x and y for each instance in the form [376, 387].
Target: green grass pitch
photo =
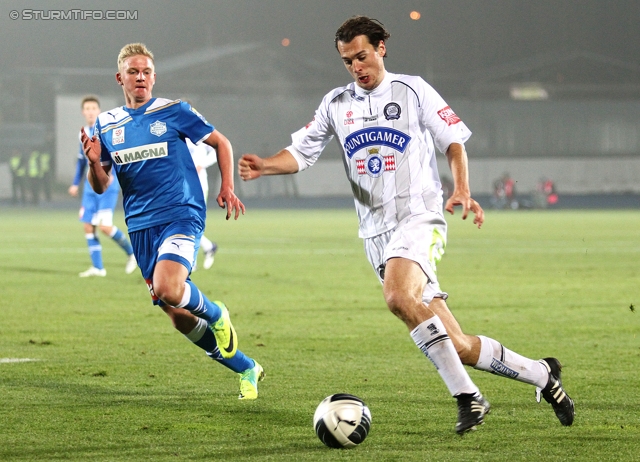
[114, 381]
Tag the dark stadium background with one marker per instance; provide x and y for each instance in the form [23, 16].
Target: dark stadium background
[228, 58]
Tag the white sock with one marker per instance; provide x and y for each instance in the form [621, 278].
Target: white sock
[501, 361]
[206, 244]
[432, 338]
[198, 331]
[186, 296]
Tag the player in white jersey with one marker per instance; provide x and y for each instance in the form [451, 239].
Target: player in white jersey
[164, 205]
[204, 156]
[388, 126]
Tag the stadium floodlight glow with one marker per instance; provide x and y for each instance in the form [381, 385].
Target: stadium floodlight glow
[415, 15]
[528, 92]
[285, 42]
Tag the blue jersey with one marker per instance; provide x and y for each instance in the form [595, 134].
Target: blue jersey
[147, 148]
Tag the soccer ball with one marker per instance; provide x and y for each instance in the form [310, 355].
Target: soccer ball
[342, 421]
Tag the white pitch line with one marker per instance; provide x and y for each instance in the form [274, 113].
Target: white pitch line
[17, 360]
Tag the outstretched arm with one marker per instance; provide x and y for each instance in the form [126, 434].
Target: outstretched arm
[98, 175]
[226, 197]
[251, 166]
[81, 164]
[459, 165]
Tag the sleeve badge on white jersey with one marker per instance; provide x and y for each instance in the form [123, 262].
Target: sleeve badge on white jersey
[158, 128]
[118, 136]
[309, 124]
[449, 116]
[392, 111]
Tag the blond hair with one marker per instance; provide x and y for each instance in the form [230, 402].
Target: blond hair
[133, 49]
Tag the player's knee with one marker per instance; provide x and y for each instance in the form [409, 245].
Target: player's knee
[169, 292]
[400, 302]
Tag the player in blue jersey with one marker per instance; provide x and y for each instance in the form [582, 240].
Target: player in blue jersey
[164, 205]
[97, 209]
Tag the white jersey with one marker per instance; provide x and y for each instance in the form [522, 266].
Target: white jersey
[387, 136]
[203, 156]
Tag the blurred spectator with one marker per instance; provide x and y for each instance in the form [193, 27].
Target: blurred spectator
[18, 177]
[504, 193]
[549, 189]
[546, 194]
[498, 200]
[45, 173]
[510, 190]
[33, 175]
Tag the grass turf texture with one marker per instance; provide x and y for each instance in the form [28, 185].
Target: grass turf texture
[114, 380]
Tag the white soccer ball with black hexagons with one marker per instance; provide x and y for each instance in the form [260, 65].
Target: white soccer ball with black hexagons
[342, 421]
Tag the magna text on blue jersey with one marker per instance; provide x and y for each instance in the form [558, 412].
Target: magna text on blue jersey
[139, 153]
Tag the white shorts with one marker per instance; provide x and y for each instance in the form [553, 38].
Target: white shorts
[420, 238]
[102, 217]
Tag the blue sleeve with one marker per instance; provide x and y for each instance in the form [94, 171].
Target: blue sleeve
[80, 167]
[105, 156]
[192, 124]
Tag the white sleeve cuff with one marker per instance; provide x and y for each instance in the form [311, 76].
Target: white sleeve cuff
[302, 161]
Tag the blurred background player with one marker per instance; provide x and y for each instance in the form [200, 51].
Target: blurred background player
[97, 209]
[204, 156]
[164, 203]
[388, 126]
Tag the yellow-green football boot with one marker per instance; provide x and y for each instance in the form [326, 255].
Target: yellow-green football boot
[249, 381]
[225, 334]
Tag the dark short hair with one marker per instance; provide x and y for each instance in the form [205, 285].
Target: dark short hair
[90, 99]
[362, 25]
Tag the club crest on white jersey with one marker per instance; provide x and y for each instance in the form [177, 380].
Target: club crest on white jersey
[158, 128]
[392, 111]
[139, 153]
[375, 164]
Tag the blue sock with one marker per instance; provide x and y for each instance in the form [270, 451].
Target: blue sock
[121, 240]
[95, 250]
[195, 301]
[203, 337]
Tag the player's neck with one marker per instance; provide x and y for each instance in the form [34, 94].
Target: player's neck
[383, 76]
[133, 104]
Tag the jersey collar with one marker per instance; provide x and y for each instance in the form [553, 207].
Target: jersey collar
[385, 82]
[141, 109]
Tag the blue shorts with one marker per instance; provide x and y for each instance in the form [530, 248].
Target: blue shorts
[97, 209]
[177, 241]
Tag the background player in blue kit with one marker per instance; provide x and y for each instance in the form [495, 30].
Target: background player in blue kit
[164, 204]
[97, 209]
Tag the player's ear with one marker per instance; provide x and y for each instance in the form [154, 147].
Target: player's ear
[382, 49]
[119, 78]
